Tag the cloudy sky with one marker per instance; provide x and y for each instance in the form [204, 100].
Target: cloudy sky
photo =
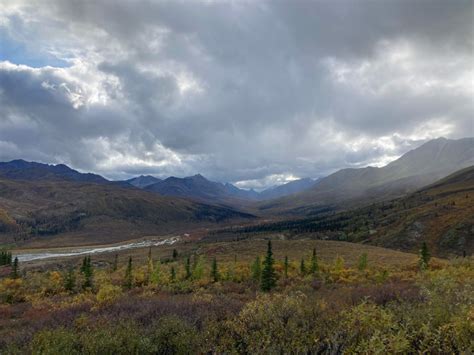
[251, 92]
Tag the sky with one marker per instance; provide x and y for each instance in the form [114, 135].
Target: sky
[251, 92]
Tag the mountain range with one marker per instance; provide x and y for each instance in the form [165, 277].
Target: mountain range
[195, 187]
[199, 188]
[348, 187]
[55, 202]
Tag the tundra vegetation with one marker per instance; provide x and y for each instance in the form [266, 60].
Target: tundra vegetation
[196, 302]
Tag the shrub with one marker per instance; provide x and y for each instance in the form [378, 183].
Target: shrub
[12, 290]
[108, 294]
[123, 338]
[172, 335]
[370, 329]
[56, 341]
[275, 324]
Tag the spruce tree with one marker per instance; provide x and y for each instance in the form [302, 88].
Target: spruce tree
[128, 282]
[214, 271]
[87, 271]
[268, 273]
[285, 265]
[314, 263]
[187, 267]
[175, 254]
[149, 271]
[5, 258]
[256, 269]
[198, 268]
[70, 280]
[83, 265]
[425, 256]
[156, 275]
[302, 267]
[173, 274]
[15, 274]
[362, 264]
[115, 263]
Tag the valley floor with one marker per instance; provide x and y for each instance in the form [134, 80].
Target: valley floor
[200, 297]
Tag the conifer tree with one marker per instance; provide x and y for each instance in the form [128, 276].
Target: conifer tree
[15, 274]
[5, 258]
[268, 273]
[302, 267]
[149, 271]
[285, 265]
[173, 274]
[87, 271]
[198, 268]
[156, 275]
[314, 263]
[175, 254]
[83, 265]
[128, 282]
[214, 271]
[256, 269]
[115, 263]
[70, 280]
[187, 267]
[425, 256]
[362, 264]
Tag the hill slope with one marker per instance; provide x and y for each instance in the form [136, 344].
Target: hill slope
[32, 171]
[72, 213]
[419, 167]
[441, 214]
[289, 188]
[199, 188]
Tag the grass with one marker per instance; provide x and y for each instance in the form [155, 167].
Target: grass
[247, 251]
[380, 308]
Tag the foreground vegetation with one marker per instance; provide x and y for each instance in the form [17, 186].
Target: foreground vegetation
[191, 302]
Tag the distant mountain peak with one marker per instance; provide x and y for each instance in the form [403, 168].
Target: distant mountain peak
[143, 181]
[20, 169]
[198, 177]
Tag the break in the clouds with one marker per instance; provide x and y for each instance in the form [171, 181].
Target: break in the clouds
[255, 92]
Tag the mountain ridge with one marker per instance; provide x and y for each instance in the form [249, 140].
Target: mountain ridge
[20, 169]
[421, 166]
[63, 212]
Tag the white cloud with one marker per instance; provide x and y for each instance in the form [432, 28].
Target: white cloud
[253, 93]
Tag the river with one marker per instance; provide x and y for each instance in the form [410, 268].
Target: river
[30, 256]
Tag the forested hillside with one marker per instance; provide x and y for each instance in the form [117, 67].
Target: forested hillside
[441, 214]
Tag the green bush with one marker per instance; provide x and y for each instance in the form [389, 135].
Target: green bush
[123, 338]
[57, 341]
[276, 324]
[171, 335]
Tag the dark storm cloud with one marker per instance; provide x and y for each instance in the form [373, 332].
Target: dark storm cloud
[236, 90]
